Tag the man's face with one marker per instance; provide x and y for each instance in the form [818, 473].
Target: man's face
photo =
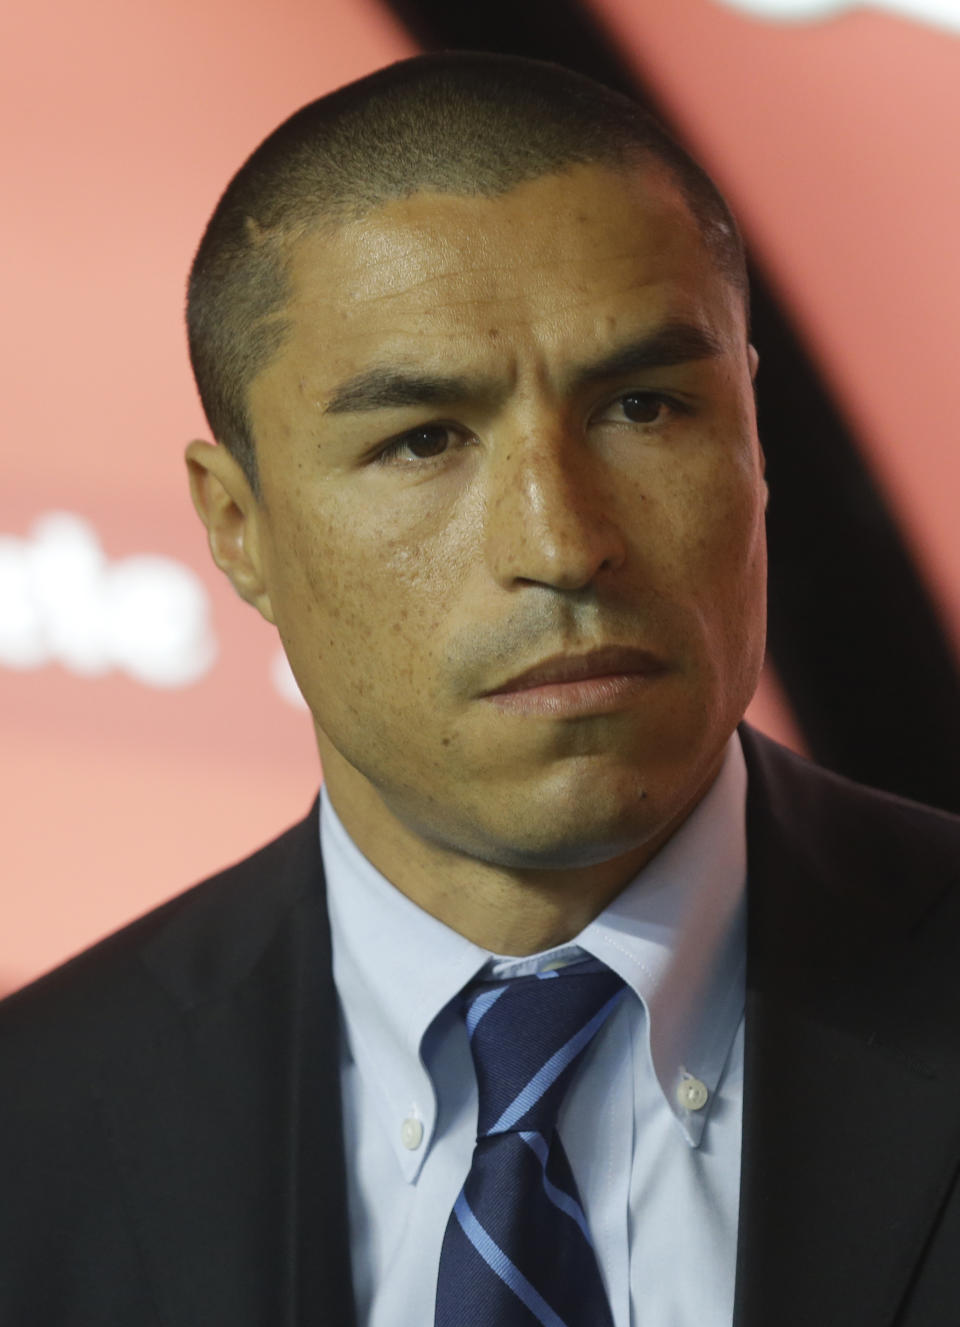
[502, 431]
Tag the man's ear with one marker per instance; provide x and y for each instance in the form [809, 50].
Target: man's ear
[753, 361]
[229, 509]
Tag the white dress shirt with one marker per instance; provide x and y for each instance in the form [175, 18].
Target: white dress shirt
[651, 1123]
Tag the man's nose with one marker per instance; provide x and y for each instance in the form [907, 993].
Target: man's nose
[550, 517]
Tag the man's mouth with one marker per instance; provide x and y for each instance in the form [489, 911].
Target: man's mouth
[593, 681]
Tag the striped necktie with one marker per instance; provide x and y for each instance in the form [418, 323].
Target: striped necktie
[517, 1250]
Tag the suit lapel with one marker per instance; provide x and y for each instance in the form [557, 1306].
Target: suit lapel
[847, 1156]
[226, 1122]
[851, 1109]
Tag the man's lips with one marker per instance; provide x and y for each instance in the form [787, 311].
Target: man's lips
[608, 661]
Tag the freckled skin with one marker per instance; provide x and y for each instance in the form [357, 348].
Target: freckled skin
[549, 522]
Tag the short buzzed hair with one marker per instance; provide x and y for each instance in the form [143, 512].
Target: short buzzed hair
[457, 123]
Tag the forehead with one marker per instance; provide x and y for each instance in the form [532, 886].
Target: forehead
[556, 260]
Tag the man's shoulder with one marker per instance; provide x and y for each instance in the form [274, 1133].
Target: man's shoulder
[791, 795]
[209, 931]
[146, 1101]
[851, 885]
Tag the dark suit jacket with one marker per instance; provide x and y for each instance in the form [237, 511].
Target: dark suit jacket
[170, 1140]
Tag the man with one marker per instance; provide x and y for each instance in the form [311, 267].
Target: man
[472, 338]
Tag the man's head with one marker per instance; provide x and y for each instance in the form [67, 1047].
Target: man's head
[496, 427]
[466, 124]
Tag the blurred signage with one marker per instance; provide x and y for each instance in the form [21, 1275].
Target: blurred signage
[942, 13]
[64, 602]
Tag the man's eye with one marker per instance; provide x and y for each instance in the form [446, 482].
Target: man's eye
[642, 407]
[421, 444]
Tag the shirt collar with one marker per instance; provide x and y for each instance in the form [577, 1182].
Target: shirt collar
[675, 934]
[395, 968]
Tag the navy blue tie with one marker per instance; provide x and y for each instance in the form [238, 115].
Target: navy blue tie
[517, 1250]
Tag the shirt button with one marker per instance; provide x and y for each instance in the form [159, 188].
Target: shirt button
[692, 1094]
[411, 1134]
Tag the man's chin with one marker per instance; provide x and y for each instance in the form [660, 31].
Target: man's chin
[540, 836]
[590, 813]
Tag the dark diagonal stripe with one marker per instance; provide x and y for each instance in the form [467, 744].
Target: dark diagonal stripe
[545, 1077]
[524, 1220]
[501, 1266]
[559, 1197]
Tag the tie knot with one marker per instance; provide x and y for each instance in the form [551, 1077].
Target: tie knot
[527, 1035]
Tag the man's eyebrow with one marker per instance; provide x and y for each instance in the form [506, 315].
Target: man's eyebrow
[383, 387]
[672, 343]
